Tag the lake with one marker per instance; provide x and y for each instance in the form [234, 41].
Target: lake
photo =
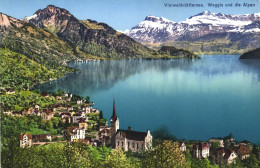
[194, 99]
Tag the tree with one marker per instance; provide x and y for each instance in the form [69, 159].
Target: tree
[101, 114]
[251, 162]
[49, 126]
[117, 159]
[166, 154]
[55, 121]
[87, 99]
[162, 133]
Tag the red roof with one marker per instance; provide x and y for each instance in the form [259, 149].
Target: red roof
[114, 117]
[243, 149]
[201, 146]
[27, 134]
[82, 120]
[225, 151]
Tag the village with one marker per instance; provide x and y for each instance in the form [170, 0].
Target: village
[86, 124]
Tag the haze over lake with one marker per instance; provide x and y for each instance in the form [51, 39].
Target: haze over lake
[195, 100]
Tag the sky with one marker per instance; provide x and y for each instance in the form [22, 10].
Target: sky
[124, 14]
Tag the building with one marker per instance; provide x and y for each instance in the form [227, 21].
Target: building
[69, 107]
[27, 111]
[9, 91]
[42, 138]
[133, 140]
[36, 112]
[79, 101]
[45, 94]
[127, 139]
[216, 140]
[114, 121]
[104, 135]
[76, 133]
[76, 117]
[65, 117]
[229, 141]
[25, 140]
[83, 123]
[47, 115]
[224, 156]
[37, 106]
[94, 111]
[201, 150]
[243, 151]
[182, 146]
[87, 109]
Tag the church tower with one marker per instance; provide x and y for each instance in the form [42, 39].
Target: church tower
[114, 121]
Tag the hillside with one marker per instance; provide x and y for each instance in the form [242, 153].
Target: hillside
[20, 72]
[36, 43]
[254, 54]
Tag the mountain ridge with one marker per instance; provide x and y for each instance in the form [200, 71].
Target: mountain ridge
[155, 32]
[78, 34]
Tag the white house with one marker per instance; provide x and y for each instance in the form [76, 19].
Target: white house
[76, 133]
[25, 140]
[201, 150]
[133, 140]
[182, 146]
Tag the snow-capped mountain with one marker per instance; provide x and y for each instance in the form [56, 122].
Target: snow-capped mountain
[160, 30]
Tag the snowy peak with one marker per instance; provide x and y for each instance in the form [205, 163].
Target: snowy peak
[158, 29]
[218, 19]
[27, 19]
[157, 19]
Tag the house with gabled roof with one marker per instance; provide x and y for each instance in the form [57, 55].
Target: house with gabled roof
[201, 150]
[25, 140]
[182, 146]
[65, 117]
[83, 123]
[47, 114]
[76, 133]
[224, 156]
[133, 140]
[243, 151]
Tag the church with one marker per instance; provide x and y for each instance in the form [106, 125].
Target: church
[128, 139]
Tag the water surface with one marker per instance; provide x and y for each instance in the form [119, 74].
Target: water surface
[198, 99]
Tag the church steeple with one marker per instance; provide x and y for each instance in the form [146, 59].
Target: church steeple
[114, 121]
[114, 117]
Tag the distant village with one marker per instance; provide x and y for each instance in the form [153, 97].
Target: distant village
[77, 114]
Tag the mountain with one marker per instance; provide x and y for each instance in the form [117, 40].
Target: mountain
[35, 43]
[203, 33]
[174, 52]
[87, 35]
[254, 54]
